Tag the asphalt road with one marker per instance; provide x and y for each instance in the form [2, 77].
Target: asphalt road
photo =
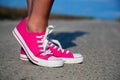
[98, 41]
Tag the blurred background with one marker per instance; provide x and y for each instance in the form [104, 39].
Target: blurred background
[66, 9]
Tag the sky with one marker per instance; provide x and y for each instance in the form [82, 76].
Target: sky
[100, 9]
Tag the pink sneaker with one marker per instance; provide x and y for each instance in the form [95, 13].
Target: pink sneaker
[58, 52]
[35, 47]
[23, 55]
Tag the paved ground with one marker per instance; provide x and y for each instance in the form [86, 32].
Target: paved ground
[98, 41]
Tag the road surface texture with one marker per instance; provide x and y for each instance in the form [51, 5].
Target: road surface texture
[98, 41]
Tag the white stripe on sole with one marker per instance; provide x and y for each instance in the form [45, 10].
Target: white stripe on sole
[34, 59]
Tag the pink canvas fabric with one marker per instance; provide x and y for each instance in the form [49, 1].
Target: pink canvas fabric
[60, 53]
[32, 44]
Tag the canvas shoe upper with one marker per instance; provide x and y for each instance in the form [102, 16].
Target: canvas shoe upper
[57, 50]
[35, 46]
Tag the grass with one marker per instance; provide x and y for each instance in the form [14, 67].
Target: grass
[69, 17]
[118, 19]
[13, 13]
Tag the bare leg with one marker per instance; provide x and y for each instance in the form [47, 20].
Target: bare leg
[38, 15]
[29, 5]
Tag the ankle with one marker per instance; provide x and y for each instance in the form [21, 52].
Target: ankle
[35, 26]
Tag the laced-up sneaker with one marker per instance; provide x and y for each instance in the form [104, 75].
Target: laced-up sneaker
[35, 47]
[57, 50]
[23, 55]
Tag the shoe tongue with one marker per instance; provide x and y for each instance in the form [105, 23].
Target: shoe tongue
[37, 33]
[41, 33]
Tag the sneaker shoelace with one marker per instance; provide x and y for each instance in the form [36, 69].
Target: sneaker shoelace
[44, 40]
[43, 48]
[55, 43]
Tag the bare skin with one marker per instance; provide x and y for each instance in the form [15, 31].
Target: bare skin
[38, 15]
[29, 5]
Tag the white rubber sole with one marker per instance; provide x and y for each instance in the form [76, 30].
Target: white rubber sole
[72, 60]
[34, 59]
[23, 57]
[66, 60]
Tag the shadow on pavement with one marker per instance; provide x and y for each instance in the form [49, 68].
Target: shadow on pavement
[66, 38]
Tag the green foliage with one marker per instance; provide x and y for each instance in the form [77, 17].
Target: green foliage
[69, 17]
[118, 19]
[13, 13]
